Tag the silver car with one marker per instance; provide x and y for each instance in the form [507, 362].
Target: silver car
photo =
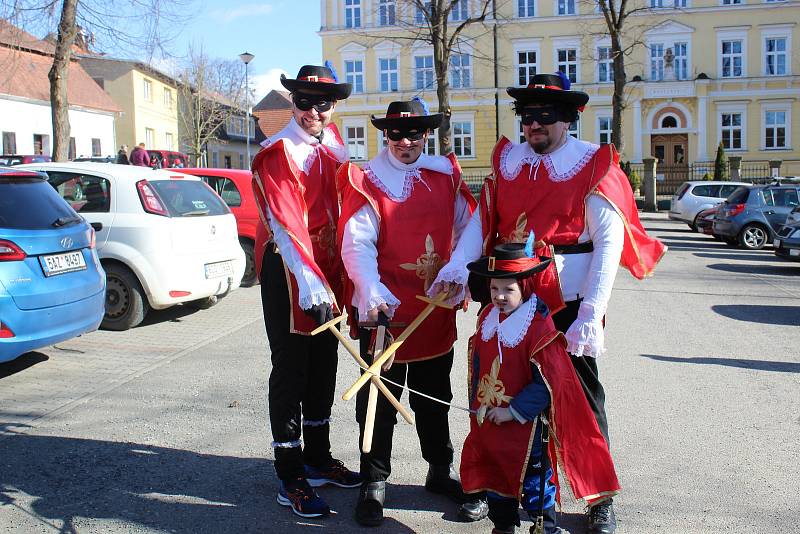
[693, 197]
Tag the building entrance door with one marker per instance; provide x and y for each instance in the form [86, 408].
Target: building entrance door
[672, 167]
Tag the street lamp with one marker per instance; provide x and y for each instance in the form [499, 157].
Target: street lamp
[247, 58]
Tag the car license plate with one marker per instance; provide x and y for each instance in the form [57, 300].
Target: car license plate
[63, 263]
[777, 243]
[221, 268]
[794, 252]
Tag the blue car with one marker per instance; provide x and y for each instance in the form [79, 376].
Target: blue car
[52, 286]
[752, 215]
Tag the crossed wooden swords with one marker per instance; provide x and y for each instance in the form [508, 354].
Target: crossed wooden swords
[373, 372]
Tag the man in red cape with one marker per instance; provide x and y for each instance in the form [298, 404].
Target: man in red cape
[577, 200]
[294, 180]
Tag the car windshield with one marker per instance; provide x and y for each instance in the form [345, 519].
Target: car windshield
[189, 198]
[31, 204]
[739, 196]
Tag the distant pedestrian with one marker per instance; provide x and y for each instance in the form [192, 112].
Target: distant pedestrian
[139, 156]
[122, 155]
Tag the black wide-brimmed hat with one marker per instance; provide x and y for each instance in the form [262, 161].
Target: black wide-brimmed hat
[508, 260]
[317, 79]
[408, 114]
[549, 89]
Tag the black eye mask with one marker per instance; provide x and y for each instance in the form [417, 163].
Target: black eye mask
[305, 102]
[412, 134]
[545, 115]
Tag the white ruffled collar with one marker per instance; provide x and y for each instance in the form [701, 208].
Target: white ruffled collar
[396, 178]
[512, 330]
[562, 164]
[302, 147]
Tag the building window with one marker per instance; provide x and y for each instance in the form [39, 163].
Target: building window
[241, 161]
[460, 10]
[462, 138]
[775, 60]
[383, 142]
[732, 59]
[431, 147]
[41, 144]
[388, 74]
[526, 67]
[573, 130]
[568, 63]
[356, 142]
[386, 12]
[731, 124]
[604, 130]
[215, 159]
[73, 153]
[526, 8]
[421, 17]
[566, 7]
[520, 131]
[9, 142]
[681, 61]
[669, 122]
[775, 129]
[460, 71]
[605, 64]
[423, 72]
[149, 138]
[168, 140]
[731, 2]
[656, 4]
[167, 98]
[96, 149]
[352, 13]
[656, 62]
[354, 74]
[148, 90]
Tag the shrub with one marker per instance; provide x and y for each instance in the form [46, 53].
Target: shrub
[635, 181]
[708, 177]
[721, 164]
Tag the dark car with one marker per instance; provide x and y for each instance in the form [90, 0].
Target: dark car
[787, 242]
[8, 160]
[705, 220]
[752, 215]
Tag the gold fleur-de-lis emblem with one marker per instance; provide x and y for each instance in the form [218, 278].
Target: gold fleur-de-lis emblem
[520, 233]
[427, 265]
[325, 237]
[491, 391]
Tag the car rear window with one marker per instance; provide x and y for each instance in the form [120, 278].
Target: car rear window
[225, 188]
[682, 190]
[31, 204]
[189, 198]
[705, 190]
[739, 196]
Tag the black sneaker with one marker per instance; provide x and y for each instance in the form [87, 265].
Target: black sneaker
[336, 473]
[444, 480]
[302, 498]
[602, 519]
[369, 508]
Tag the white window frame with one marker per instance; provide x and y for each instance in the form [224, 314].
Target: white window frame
[354, 9]
[567, 4]
[459, 117]
[656, 61]
[387, 9]
[575, 129]
[608, 62]
[561, 43]
[777, 31]
[168, 100]
[419, 16]
[451, 68]
[356, 78]
[568, 63]
[169, 139]
[526, 5]
[435, 137]
[686, 59]
[354, 52]
[387, 50]
[731, 2]
[428, 72]
[150, 138]
[147, 89]
[781, 107]
[349, 142]
[600, 117]
[526, 45]
[461, 10]
[382, 141]
[732, 34]
[726, 108]
[391, 74]
[518, 129]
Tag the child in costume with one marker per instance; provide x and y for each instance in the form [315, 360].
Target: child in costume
[530, 411]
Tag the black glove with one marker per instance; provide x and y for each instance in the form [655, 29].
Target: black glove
[321, 313]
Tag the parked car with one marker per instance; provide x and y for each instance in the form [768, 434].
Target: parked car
[693, 197]
[787, 242]
[752, 215]
[52, 286]
[794, 216]
[705, 220]
[97, 159]
[235, 187]
[163, 159]
[163, 237]
[7, 160]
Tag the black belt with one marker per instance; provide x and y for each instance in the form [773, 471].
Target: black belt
[579, 248]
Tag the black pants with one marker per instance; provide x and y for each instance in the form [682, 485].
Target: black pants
[586, 368]
[431, 377]
[302, 381]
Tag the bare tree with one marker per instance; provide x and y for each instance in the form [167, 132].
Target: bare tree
[119, 25]
[210, 92]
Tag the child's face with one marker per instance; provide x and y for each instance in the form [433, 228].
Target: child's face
[506, 294]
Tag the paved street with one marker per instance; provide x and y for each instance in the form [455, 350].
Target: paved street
[163, 428]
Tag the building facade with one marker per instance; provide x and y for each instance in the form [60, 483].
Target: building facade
[701, 72]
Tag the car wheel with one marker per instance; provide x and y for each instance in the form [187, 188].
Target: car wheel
[753, 237]
[249, 278]
[126, 305]
[202, 304]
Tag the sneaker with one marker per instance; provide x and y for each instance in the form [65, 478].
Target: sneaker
[444, 480]
[302, 498]
[602, 519]
[336, 473]
[475, 510]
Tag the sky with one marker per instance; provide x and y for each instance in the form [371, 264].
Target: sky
[282, 34]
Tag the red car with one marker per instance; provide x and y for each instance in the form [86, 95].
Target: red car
[6, 160]
[235, 188]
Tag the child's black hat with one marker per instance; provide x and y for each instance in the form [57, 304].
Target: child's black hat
[508, 260]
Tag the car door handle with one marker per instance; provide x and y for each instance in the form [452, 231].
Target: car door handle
[97, 226]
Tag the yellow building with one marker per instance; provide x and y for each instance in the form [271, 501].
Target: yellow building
[706, 71]
[149, 100]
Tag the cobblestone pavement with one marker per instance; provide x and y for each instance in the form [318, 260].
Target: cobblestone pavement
[163, 428]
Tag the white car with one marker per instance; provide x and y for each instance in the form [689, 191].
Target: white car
[693, 197]
[163, 237]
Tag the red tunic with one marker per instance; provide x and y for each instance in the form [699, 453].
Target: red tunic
[556, 212]
[414, 241]
[495, 457]
[307, 205]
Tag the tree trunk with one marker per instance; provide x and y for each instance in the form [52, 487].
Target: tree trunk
[59, 104]
[441, 60]
[618, 99]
